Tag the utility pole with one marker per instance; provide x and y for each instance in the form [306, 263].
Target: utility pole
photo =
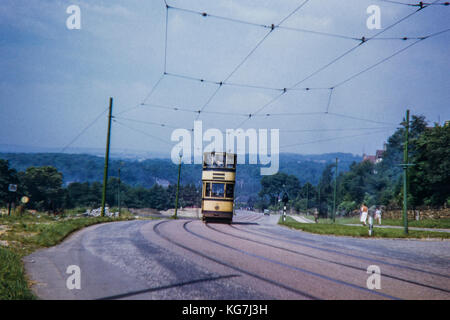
[178, 188]
[118, 190]
[405, 174]
[335, 184]
[320, 205]
[105, 171]
[307, 197]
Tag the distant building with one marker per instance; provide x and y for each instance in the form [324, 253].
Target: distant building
[378, 157]
[370, 158]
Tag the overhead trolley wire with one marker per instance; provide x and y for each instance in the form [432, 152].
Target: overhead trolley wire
[357, 118]
[331, 139]
[363, 41]
[142, 132]
[234, 70]
[336, 129]
[165, 65]
[284, 130]
[182, 109]
[83, 130]
[165, 36]
[260, 109]
[389, 57]
[247, 56]
[146, 98]
[148, 122]
[205, 14]
[293, 12]
[191, 78]
[419, 4]
[278, 26]
[282, 90]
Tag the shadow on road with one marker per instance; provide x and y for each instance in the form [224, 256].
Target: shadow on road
[246, 223]
[132, 293]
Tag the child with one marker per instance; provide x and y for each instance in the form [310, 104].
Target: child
[378, 215]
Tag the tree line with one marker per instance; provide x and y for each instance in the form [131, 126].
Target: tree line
[374, 183]
[44, 188]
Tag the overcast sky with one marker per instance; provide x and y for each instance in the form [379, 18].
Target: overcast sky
[54, 81]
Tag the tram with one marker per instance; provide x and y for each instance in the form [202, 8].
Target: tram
[218, 179]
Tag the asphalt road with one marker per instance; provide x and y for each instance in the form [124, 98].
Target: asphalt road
[251, 259]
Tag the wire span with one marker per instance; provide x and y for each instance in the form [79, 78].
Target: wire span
[83, 131]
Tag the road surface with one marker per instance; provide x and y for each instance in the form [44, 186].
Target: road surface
[251, 259]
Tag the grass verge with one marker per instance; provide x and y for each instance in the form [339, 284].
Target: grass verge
[19, 236]
[342, 230]
[428, 223]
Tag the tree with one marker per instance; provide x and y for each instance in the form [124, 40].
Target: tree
[430, 177]
[7, 176]
[43, 185]
[273, 186]
[325, 188]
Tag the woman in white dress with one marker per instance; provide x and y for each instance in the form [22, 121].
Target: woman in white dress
[364, 213]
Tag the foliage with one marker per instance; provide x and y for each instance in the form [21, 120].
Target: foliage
[13, 285]
[382, 183]
[7, 176]
[26, 234]
[83, 168]
[360, 231]
[430, 176]
[43, 185]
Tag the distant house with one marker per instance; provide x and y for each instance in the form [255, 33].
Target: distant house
[378, 157]
[370, 158]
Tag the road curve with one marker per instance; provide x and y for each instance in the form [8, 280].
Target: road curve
[251, 259]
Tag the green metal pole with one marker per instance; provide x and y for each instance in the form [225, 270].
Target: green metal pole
[118, 192]
[335, 184]
[319, 197]
[105, 171]
[178, 190]
[405, 174]
[307, 196]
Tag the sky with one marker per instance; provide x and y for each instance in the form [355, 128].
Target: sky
[54, 82]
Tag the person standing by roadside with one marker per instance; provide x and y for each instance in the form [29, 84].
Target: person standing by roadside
[364, 212]
[378, 215]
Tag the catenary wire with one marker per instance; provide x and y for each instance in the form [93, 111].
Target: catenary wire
[83, 131]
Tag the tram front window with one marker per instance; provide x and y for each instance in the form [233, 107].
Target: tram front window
[218, 190]
[229, 193]
[207, 189]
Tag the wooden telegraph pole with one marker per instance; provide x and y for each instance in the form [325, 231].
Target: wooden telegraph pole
[105, 171]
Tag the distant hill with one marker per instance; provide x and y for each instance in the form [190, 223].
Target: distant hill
[84, 167]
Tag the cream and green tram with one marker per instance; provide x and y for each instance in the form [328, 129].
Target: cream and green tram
[218, 178]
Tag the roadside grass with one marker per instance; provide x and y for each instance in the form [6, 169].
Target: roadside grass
[21, 235]
[427, 223]
[342, 230]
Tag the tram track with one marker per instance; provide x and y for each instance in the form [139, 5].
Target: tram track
[296, 242]
[326, 260]
[294, 268]
[157, 231]
[187, 259]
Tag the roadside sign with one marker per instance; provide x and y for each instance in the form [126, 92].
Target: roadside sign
[24, 199]
[12, 187]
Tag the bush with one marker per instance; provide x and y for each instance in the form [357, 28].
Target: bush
[347, 206]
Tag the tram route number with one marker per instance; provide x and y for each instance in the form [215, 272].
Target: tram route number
[233, 309]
